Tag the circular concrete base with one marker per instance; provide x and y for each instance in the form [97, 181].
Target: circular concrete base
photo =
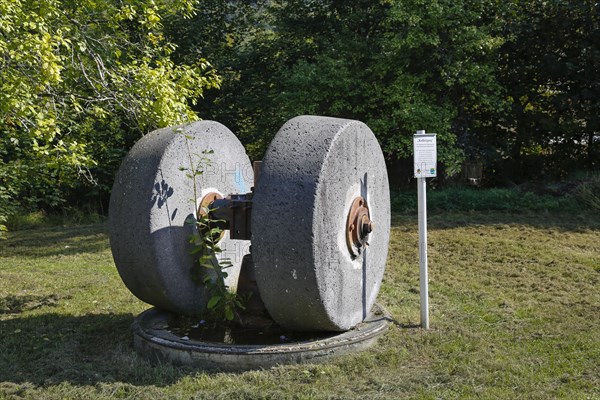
[154, 339]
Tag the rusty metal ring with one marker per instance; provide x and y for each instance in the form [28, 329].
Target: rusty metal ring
[358, 226]
[204, 211]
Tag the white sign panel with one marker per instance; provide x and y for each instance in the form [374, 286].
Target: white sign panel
[425, 147]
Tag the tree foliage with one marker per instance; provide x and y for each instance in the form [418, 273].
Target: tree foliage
[80, 81]
[499, 81]
[399, 66]
[511, 83]
[549, 68]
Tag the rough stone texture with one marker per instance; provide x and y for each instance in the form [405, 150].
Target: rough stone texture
[151, 200]
[312, 171]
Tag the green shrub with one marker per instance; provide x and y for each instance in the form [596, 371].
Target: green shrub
[475, 199]
[36, 219]
[7, 208]
[588, 194]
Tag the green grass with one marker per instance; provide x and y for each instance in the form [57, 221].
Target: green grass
[515, 313]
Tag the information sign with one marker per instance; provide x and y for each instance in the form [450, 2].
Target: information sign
[425, 167]
[425, 160]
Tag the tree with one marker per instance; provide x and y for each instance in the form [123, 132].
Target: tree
[80, 81]
[550, 71]
[399, 66]
[238, 36]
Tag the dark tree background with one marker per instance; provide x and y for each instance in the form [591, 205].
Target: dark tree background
[509, 85]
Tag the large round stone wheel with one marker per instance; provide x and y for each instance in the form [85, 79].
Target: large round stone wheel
[320, 179]
[153, 196]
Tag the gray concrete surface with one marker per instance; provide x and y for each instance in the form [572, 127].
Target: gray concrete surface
[151, 200]
[153, 340]
[313, 169]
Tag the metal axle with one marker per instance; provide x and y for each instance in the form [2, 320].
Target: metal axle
[234, 213]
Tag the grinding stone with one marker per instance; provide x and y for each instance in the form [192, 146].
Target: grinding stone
[151, 200]
[312, 171]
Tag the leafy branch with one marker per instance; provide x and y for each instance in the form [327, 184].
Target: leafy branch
[208, 270]
[223, 303]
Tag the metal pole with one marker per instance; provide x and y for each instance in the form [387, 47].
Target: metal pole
[423, 275]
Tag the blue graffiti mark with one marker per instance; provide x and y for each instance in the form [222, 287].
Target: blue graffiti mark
[240, 182]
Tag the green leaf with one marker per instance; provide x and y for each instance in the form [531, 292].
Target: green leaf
[239, 304]
[213, 302]
[197, 250]
[215, 231]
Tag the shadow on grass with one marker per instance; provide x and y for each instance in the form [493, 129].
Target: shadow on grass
[400, 325]
[49, 349]
[18, 304]
[55, 241]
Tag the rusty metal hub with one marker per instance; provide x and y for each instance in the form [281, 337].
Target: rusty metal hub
[231, 213]
[358, 226]
[205, 209]
[204, 206]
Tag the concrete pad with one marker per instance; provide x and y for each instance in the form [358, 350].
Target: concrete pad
[154, 340]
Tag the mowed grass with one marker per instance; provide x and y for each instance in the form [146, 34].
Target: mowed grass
[515, 313]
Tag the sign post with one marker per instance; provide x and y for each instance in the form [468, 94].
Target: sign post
[425, 166]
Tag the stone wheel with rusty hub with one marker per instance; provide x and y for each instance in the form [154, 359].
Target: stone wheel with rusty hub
[320, 224]
[153, 196]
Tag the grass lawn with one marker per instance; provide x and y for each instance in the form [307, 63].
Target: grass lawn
[515, 313]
